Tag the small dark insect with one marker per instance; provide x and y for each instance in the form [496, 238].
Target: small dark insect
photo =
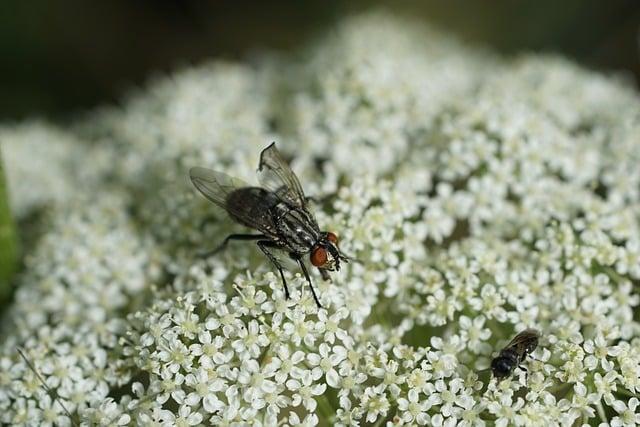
[278, 211]
[515, 353]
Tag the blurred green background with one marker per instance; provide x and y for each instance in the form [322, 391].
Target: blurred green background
[61, 57]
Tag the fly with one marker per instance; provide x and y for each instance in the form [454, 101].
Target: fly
[515, 353]
[277, 210]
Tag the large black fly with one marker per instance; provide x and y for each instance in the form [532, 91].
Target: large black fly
[278, 211]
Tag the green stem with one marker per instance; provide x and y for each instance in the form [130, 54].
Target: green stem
[8, 240]
[325, 409]
[560, 390]
[627, 393]
[614, 275]
[601, 413]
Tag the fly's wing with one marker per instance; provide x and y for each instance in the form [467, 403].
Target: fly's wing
[247, 205]
[215, 186]
[276, 175]
[526, 341]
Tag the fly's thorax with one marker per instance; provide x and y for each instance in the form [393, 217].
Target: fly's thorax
[296, 228]
[511, 354]
[532, 346]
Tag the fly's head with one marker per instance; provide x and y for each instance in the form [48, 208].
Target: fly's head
[326, 254]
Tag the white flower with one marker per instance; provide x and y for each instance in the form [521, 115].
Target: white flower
[474, 334]
[470, 415]
[490, 303]
[175, 355]
[275, 401]
[330, 325]
[506, 410]
[464, 221]
[285, 364]
[52, 413]
[627, 414]
[304, 391]
[598, 351]
[204, 389]
[309, 420]
[170, 386]
[414, 409]
[583, 402]
[256, 380]
[448, 397]
[108, 413]
[300, 329]
[250, 340]
[185, 417]
[375, 403]
[209, 349]
[438, 224]
[326, 361]
[606, 385]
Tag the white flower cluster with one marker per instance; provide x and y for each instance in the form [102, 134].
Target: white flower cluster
[44, 163]
[479, 198]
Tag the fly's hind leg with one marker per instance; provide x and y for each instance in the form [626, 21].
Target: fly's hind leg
[230, 237]
[306, 275]
[265, 246]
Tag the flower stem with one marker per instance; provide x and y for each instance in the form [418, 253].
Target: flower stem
[601, 413]
[626, 393]
[325, 409]
[8, 240]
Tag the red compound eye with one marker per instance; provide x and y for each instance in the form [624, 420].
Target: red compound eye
[319, 256]
[332, 238]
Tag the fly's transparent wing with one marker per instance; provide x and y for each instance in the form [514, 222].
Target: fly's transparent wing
[525, 339]
[247, 205]
[276, 175]
[215, 186]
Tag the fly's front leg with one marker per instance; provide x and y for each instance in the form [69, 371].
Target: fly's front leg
[264, 246]
[306, 275]
[325, 274]
[526, 373]
[230, 237]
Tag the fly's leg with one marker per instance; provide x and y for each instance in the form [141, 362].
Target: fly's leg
[264, 246]
[325, 274]
[230, 237]
[526, 373]
[306, 275]
[320, 200]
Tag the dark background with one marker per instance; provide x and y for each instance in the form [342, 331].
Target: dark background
[60, 57]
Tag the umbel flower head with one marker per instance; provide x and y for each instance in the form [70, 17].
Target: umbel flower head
[480, 196]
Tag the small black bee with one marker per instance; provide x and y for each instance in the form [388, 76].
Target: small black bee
[278, 210]
[515, 353]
